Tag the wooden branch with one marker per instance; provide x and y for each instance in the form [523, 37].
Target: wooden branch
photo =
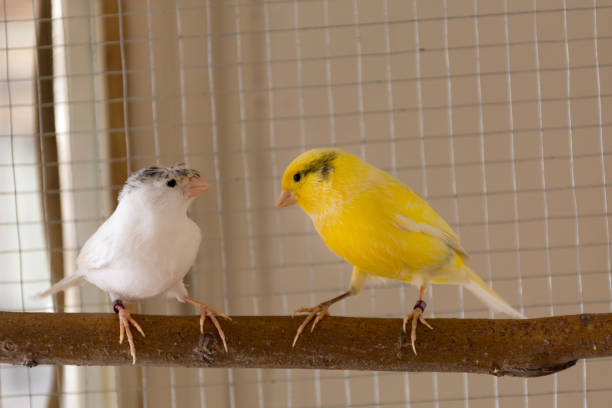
[524, 348]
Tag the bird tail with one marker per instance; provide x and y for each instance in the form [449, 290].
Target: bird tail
[495, 302]
[67, 282]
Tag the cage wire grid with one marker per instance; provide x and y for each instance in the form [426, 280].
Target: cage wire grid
[495, 112]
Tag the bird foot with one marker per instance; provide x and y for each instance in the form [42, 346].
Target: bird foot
[416, 316]
[125, 320]
[207, 311]
[317, 313]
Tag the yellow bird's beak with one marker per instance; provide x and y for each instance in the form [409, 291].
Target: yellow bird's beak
[285, 199]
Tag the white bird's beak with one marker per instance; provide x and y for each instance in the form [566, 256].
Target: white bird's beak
[285, 199]
[196, 186]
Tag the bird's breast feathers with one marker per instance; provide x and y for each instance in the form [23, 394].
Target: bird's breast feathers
[147, 256]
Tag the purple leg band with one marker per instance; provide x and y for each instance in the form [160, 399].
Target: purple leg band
[118, 304]
[421, 305]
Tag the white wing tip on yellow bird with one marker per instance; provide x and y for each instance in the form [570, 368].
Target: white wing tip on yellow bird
[484, 292]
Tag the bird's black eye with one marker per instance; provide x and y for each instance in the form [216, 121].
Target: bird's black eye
[171, 183]
[297, 177]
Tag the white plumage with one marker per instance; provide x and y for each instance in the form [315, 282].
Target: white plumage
[147, 246]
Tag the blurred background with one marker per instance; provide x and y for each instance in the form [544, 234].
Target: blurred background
[496, 112]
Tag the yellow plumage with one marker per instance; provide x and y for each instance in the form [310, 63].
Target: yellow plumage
[378, 224]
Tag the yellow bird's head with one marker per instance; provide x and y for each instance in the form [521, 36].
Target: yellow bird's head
[318, 179]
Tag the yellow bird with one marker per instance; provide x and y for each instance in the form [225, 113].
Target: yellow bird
[380, 226]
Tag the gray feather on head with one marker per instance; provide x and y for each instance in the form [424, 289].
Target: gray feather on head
[156, 173]
[324, 164]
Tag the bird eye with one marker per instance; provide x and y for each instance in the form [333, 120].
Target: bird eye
[171, 183]
[297, 177]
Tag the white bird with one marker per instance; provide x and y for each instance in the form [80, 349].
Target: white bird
[146, 247]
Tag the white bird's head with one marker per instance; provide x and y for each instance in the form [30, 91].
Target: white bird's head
[174, 186]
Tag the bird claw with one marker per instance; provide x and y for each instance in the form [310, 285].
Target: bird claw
[125, 320]
[416, 316]
[301, 310]
[207, 311]
[317, 313]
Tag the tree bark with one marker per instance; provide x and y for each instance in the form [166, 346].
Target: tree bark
[522, 348]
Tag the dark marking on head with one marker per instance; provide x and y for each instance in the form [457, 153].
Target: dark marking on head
[152, 174]
[322, 164]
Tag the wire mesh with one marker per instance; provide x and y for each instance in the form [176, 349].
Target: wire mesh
[495, 112]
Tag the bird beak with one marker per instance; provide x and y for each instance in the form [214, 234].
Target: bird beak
[285, 199]
[196, 186]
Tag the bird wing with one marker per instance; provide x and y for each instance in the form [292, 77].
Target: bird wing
[98, 250]
[435, 231]
[415, 215]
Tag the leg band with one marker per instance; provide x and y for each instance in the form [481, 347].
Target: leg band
[119, 304]
[421, 305]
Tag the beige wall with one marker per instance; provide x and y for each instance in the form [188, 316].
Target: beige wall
[506, 131]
